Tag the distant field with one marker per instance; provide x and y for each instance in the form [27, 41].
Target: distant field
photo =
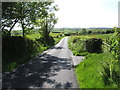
[55, 34]
[37, 35]
[33, 36]
[102, 36]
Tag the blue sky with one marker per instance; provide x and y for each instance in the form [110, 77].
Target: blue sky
[87, 13]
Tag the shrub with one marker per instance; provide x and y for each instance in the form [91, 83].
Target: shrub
[81, 46]
[77, 45]
[67, 34]
[5, 32]
[46, 41]
[115, 44]
[110, 74]
[94, 45]
[18, 49]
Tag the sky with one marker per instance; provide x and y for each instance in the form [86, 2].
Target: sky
[87, 13]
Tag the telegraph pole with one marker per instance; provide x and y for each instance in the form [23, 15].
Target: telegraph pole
[119, 14]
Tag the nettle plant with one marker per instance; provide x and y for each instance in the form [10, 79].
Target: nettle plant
[112, 69]
[115, 44]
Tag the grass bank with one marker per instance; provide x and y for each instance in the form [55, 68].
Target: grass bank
[89, 72]
[98, 70]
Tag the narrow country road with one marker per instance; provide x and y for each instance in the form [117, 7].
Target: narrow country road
[51, 69]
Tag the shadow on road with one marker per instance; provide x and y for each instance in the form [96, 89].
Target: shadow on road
[54, 47]
[36, 72]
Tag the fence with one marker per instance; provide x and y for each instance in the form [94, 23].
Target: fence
[105, 47]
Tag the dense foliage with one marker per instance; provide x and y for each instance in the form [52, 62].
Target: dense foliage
[99, 70]
[32, 17]
[84, 31]
[85, 45]
[115, 44]
[89, 71]
[27, 14]
[17, 53]
[18, 50]
[111, 75]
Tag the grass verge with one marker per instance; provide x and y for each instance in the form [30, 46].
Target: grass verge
[100, 70]
[89, 71]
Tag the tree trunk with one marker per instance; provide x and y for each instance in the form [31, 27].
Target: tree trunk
[46, 32]
[12, 27]
[23, 28]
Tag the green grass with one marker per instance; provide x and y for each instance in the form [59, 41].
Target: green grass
[97, 70]
[89, 71]
[58, 39]
[12, 64]
[55, 34]
[33, 36]
[77, 44]
[102, 36]
[9, 66]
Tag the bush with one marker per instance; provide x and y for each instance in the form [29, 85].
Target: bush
[50, 41]
[81, 46]
[67, 34]
[5, 32]
[94, 45]
[46, 41]
[18, 49]
[111, 74]
[115, 44]
[77, 45]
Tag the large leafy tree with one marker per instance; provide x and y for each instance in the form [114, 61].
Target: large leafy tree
[47, 21]
[27, 14]
[9, 15]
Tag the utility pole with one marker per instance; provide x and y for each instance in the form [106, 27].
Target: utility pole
[119, 14]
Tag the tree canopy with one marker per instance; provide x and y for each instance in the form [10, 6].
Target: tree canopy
[28, 15]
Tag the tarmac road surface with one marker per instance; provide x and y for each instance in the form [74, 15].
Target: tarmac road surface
[52, 69]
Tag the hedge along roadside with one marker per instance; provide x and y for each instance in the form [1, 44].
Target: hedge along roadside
[18, 50]
[83, 46]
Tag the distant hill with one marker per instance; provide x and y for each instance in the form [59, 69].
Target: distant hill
[77, 29]
[99, 28]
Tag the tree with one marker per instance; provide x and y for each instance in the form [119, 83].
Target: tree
[89, 32]
[47, 22]
[8, 16]
[25, 14]
[84, 31]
